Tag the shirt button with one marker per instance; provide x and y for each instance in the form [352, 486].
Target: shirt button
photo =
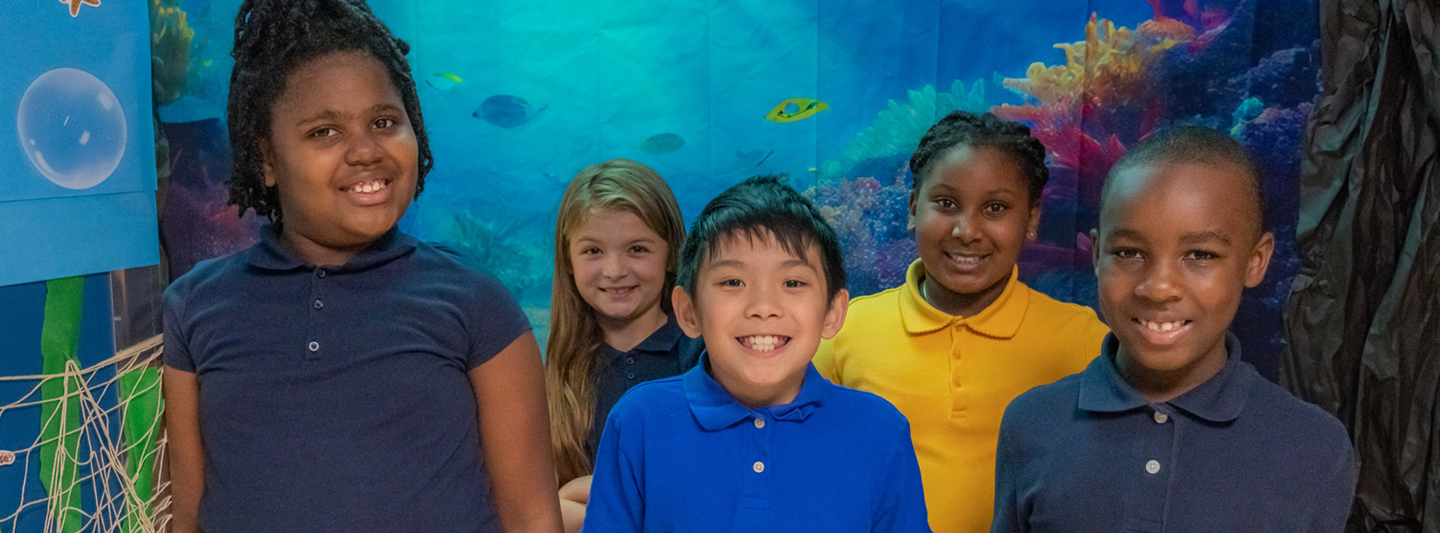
[320, 272]
[629, 360]
[1160, 417]
[319, 304]
[314, 346]
[759, 467]
[630, 375]
[759, 423]
[1152, 467]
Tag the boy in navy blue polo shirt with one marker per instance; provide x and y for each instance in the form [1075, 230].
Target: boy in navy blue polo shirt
[754, 439]
[1168, 430]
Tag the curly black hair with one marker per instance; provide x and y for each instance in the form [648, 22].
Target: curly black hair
[272, 39]
[962, 128]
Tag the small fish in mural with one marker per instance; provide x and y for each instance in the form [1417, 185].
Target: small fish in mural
[443, 80]
[795, 109]
[507, 111]
[663, 143]
[758, 156]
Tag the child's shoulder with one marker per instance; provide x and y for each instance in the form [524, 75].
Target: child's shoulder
[881, 301]
[210, 272]
[661, 397]
[1056, 309]
[868, 407]
[439, 257]
[1060, 396]
[1304, 423]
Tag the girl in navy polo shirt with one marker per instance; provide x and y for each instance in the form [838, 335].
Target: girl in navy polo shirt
[617, 237]
[340, 375]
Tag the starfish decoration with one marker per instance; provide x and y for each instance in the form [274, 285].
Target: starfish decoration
[75, 5]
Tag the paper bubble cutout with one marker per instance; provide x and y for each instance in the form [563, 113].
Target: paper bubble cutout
[72, 127]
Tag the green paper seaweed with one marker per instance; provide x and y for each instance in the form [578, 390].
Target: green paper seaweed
[60, 401]
[140, 394]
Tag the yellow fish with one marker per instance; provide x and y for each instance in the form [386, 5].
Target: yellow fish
[804, 108]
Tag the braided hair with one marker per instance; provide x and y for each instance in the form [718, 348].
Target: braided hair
[962, 128]
[272, 39]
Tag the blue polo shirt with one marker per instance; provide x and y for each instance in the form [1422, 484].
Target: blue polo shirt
[336, 399]
[680, 454]
[1237, 453]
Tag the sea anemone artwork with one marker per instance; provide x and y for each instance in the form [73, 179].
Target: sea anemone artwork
[898, 129]
[170, 39]
[869, 217]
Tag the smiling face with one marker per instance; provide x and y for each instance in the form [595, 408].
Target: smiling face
[971, 216]
[1176, 247]
[343, 155]
[762, 312]
[619, 267]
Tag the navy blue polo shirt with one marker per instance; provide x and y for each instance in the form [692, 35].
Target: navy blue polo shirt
[1237, 453]
[336, 398]
[680, 454]
[665, 353]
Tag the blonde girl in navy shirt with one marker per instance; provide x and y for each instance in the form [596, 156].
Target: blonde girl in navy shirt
[617, 237]
[340, 375]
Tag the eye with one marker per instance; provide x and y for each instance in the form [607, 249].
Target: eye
[638, 249]
[794, 284]
[945, 203]
[1202, 255]
[384, 122]
[731, 282]
[324, 132]
[589, 251]
[995, 208]
[1127, 253]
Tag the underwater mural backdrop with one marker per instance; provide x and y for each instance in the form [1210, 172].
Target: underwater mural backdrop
[518, 96]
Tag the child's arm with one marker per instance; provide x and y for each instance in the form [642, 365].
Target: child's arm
[573, 497]
[617, 500]
[902, 506]
[515, 437]
[1008, 518]
[187, 453]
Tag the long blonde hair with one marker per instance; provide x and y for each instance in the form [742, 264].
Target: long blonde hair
[571, 353]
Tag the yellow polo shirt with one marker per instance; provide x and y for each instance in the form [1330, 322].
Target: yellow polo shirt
[953, 376]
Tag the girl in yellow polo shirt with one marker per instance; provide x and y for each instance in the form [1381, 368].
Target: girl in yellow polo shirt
[963, 336]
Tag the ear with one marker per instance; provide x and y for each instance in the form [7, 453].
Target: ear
[835, 316]
[267, 162]
[1032, 226]
[910, 222]
[685, 312]
[1095, 250]
[1259, 260]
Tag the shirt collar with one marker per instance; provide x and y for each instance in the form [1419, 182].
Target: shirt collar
[1000, 320]
[271, 254]
[1219, 399]
[716, 409]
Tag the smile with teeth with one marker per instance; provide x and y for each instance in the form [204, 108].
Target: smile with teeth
[368, 186]
[618, 291]
[1162, 326]
[763, 343]
[968, 259]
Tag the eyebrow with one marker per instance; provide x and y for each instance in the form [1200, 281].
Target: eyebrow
[735, 263]
[1204, 236]
[331, 115]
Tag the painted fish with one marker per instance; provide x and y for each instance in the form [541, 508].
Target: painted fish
[663, 143]
[804, 107]
[507, 111]
[443, 80]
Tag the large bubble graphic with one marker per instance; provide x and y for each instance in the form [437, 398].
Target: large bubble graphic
[72, 127]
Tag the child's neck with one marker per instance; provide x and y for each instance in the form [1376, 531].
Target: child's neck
[623, 335]
[959, 304]
[755, 397]
[315, 253]
[1160, 386]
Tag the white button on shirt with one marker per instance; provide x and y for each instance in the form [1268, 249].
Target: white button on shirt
[760, 467]
[1160, 417]
[1152, 467]
[759, 423]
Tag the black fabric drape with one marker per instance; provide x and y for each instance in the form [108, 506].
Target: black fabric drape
[1363, 320]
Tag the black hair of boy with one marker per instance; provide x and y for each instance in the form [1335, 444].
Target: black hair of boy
[1194, 144]
[752, 208]
[272, 38]
[963, 128]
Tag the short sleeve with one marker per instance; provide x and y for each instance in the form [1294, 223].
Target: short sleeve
[902, 494]
[1336, 497]
[617, 497]
[495, 320]
[176, 351]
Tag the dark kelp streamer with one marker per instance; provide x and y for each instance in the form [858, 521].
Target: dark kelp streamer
[1363, 319]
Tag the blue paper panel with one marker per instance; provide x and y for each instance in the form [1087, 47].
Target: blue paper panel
[75, 101]
[59, 237]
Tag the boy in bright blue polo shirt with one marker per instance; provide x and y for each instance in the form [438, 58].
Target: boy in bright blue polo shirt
[1169, 430]
[754, 439]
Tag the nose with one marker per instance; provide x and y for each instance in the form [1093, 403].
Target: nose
[763, 302]
[1160, 283]
[613, 267]
[364, 149]
[965, 228]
